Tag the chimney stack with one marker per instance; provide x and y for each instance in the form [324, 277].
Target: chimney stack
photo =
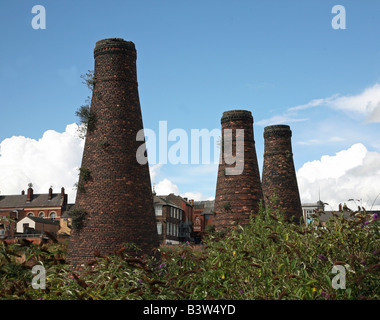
[116, 193]
[50, 193]
[30, 194]
[238, 189]
[23, 192]
[280, 186]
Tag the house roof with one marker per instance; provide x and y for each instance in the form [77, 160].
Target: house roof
[177, 200]
[39, 200]
[42, 220]
[161, 200]
[324, 216]
[207, 206]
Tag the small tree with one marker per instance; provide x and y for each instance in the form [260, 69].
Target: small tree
[86, 116]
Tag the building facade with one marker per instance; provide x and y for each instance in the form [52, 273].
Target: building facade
[203, 218]
[310, 208]
[169, 220]
[13, 208]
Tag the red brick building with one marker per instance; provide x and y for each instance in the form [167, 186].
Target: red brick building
[13, 208]
[186, 226]
[196, 216]
[169, 219]
[203, 215]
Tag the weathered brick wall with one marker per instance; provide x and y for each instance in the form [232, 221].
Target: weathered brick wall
[116, 193]
[237, 196]
[279, 175]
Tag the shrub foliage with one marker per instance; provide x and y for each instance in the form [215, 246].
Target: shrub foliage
[269, 258]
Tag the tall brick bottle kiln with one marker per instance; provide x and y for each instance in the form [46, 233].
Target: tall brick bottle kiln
[237, 195]
[114, 189]
[279, 175]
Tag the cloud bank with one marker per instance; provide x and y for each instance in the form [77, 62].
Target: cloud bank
[53, 160]
[349, 174]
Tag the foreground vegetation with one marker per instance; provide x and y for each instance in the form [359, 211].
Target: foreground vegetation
[268, 259]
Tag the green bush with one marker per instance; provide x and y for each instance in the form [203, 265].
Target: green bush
[269, 258]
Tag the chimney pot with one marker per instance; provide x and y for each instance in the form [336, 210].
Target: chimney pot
[30, 195]
[23, 192]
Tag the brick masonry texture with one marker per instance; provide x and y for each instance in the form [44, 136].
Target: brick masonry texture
[117, 196]
[279, 175]
[238, 196]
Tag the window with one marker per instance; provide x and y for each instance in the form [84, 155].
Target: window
[309, 212]
[53, 215]
[171, 212]
[30, 214]
[159, 228]
[2, 230]
[158, 210]
[41, 214]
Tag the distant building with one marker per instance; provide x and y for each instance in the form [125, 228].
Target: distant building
[203, 216]
[169, 219]
[310, 208]
[32, 226]
[14, 208]
[185, 226]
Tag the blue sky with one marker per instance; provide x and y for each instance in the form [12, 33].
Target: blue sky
[282, 60]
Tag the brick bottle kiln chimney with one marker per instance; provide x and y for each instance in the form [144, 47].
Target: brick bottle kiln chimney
[279, 175]
[238, 194]
[114, 190]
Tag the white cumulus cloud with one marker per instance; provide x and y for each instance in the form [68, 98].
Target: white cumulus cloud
[165, 186]
[349, 174]
[52, 160]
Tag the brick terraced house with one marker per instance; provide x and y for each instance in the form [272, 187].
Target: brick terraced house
[169, 219]
[14, 208]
